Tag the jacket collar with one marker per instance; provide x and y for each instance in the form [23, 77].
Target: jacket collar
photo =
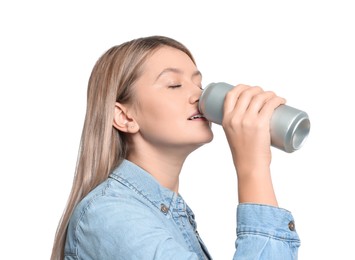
[139, 180]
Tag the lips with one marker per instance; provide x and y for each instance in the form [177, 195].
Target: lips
[196, 116]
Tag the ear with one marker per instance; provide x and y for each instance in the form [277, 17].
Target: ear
[122, 121]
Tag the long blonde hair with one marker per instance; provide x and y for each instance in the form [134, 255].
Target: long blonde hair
[102, 147]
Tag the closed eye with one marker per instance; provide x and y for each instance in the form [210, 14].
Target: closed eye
[175, 86]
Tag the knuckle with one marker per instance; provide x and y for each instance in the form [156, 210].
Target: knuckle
[258, 88]
[231, 122]
[242, 86]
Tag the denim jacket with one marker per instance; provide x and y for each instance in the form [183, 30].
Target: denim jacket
[131, 216]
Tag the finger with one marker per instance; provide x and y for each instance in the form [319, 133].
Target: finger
[246, 99]
[259, 100]
[232, 98]
[268, 109]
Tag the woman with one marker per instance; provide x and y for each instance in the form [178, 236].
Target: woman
[142, 122]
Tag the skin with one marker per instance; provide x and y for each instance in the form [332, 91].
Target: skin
[246, 123]
[161, 134]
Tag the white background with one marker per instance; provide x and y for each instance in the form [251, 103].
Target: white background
[302, 50]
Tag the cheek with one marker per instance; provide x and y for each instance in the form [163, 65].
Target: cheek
[160, 109]
[161, 118]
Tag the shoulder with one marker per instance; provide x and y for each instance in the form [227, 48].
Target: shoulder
[112, 218]
[110, 202]
[113, 208]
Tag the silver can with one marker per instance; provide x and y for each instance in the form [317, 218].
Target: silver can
[289, 126]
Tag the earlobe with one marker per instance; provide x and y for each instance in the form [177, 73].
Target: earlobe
[122, 122]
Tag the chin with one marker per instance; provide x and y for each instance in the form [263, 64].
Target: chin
[205, 139]
[210, 138]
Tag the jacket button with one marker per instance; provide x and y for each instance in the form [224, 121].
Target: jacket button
[164, 208]
[291, 225]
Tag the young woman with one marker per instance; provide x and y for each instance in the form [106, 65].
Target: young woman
[142, 122]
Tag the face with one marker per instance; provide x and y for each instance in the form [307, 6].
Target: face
[166, 101]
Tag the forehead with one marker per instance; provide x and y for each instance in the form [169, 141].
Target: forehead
[168, 57]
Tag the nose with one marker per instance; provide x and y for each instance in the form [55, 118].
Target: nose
[195, 94]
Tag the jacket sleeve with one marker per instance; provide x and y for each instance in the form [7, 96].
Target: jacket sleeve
[265, 232]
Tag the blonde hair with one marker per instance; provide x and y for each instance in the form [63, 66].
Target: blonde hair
[102, 147]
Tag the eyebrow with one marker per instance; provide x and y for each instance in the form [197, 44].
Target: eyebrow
[178, 71]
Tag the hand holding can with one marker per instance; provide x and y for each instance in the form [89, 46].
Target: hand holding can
[289, 126]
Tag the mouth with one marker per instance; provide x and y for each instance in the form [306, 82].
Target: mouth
[197, 116]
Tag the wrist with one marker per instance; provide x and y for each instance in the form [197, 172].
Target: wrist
[256, 187]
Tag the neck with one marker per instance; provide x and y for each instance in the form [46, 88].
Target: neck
[164, 165]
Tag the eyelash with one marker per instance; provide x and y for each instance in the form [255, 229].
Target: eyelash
[179, 85]
[175, 86]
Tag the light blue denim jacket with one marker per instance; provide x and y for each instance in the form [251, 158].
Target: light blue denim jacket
[131, 216]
